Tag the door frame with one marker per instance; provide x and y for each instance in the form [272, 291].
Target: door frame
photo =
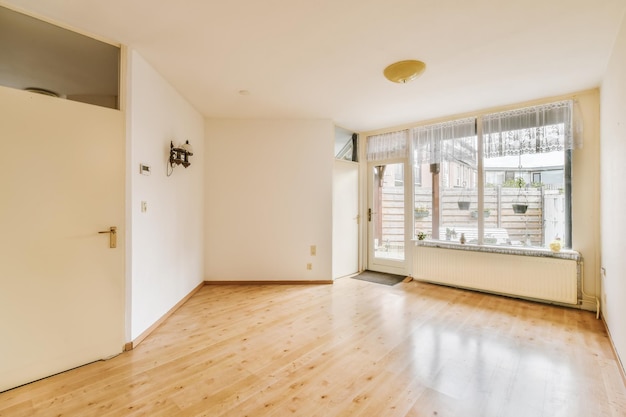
[371, 262]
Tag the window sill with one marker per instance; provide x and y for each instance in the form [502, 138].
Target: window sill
[506, 250]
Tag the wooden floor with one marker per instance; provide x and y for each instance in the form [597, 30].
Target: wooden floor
[350, 349]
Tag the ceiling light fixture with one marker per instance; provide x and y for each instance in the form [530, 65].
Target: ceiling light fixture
[404, 71]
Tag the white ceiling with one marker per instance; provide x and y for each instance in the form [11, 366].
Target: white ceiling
[324, 58]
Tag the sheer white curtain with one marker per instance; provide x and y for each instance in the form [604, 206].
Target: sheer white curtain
[388, 146]
[538, 129]
[449, 141]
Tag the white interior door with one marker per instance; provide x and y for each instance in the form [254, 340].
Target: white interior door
[62, 286]
[345, 218]
[386, 215]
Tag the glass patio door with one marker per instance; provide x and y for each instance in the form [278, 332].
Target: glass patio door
[386, 216]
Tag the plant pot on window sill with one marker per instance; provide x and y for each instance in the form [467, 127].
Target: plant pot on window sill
[520, 208]
[464, 205]
[474, 214]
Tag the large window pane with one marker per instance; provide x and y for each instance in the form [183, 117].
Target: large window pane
[529, 203]
[423, 205]
[446, 174]
[43, 58]
[526, 173]
[459, 194]
[527, 178]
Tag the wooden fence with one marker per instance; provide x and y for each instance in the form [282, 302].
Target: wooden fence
[499, 214]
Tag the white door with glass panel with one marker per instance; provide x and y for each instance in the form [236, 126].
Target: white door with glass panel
[387, 241]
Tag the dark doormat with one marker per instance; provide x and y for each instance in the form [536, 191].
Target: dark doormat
[379, 277]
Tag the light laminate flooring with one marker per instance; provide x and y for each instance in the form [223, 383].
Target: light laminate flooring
[350, 349]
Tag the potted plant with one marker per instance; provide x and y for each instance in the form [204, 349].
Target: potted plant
[421, 211]
[421, 236]
[464, 199]
[521, 203]
[520, 208]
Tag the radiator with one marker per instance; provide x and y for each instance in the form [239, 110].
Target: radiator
[534, 277]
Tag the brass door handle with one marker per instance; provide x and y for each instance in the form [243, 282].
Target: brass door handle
[112, 236]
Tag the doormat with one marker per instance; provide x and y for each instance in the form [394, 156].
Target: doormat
[379, 277]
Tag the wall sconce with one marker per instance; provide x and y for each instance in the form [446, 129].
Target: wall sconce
[180, 155]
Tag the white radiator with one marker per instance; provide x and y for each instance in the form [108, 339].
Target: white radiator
[542, 278]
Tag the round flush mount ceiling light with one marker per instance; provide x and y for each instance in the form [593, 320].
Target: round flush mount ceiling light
[404, 71]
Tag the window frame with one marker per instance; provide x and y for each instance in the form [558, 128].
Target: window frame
[481, 176]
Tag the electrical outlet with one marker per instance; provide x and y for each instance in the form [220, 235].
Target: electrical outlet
[309, 266]
[144, 206]
[313, 250]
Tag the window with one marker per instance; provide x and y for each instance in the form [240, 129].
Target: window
[447, 154]
[345, 145]
[533, 146]
[520, 167]
[43, 58]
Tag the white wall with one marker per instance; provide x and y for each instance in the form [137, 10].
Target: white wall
[268, 194]
[613, 193]
[165, 255]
